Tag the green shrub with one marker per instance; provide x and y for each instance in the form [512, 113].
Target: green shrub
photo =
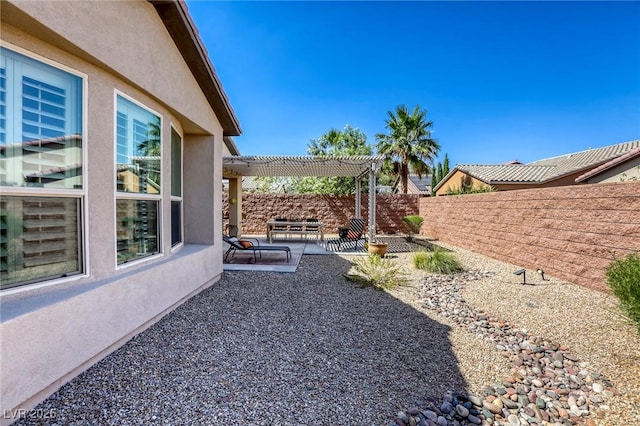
[623, 277]
[466, 189]
[439, 261]
[413, 223]
[372, 270]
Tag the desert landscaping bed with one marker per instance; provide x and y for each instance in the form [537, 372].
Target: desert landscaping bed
[584, 324]
[313, 348]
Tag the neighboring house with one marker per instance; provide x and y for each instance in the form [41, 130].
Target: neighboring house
[623, 168]
[24, 162]
[103, 231]
[249, 184]
[415, 185]
[608, 163]
[384, 189]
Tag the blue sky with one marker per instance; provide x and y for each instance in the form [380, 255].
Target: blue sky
[500, 80]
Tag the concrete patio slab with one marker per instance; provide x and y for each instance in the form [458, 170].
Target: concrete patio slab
[270, 262]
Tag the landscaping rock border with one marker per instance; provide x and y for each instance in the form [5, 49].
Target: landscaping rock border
[547, 384]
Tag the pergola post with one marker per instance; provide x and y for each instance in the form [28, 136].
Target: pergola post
[358, 197]
[372, 202]
[235, 206]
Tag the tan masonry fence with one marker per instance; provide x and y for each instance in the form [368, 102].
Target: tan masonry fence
[571, 232]
[334, 211]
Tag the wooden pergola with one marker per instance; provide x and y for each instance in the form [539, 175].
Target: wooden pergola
[358, 167]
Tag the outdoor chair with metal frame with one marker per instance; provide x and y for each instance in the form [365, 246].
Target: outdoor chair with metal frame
[353, 234]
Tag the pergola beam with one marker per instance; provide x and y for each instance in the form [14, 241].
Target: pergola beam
[298, 166]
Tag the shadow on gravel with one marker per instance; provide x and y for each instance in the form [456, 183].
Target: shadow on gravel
[274, 349]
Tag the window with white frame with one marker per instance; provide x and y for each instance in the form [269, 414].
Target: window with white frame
[138, 173]
[176, 188]
[41, 175]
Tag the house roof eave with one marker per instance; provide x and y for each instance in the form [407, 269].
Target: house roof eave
[231, 146]
[175, 16]
[451, 173]
[608, 165]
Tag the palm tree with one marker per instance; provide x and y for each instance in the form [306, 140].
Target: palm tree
[408, 147]
[150, 149]
[151, 146]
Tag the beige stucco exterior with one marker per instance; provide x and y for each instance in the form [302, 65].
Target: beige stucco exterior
[457, 180]
[52, 331]
[627, 171]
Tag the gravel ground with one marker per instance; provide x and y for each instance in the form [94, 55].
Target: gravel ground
[268, 348]
[586, 321]
[312, 348]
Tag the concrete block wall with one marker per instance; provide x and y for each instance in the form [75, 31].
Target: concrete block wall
[571, 232]
[334, 211]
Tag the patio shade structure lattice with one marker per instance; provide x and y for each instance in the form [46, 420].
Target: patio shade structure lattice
[357, 167]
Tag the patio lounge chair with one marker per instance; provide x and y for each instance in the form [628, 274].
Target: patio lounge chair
[246, 245]
[349, 235]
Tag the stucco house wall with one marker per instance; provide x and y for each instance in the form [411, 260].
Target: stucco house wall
[629, 170]
[456, 181]
[53, 330]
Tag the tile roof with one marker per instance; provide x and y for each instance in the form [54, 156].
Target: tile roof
[547, 169]
[609, 164]
[571, 163]
[499, 173]
[177, 20]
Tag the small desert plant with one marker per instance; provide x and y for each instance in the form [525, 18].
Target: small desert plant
[413, 223]
[623, 277]
[465, 189]
[625, 178]
[372, 270]
[438, 261]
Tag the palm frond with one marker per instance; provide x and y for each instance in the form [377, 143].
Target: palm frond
[408, 143]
